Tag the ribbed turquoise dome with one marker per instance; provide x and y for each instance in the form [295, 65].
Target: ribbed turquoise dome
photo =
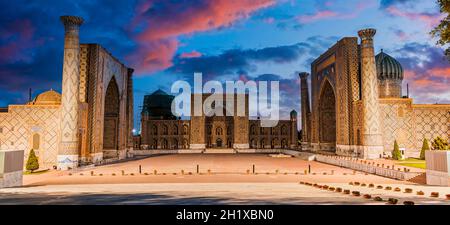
[158, 105]
[388, 68]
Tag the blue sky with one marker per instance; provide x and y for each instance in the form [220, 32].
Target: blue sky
[167, 40]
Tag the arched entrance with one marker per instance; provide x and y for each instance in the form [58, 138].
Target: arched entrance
[111, 120]
[327, 118]
[219, 143]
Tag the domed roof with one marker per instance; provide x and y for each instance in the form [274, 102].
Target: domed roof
[293, 113]
[388, 67]
[50, 97]
[158, 104]
[159, 92]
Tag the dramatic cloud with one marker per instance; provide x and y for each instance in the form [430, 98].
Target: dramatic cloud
[388, 3]
[193, 54]
[325, 11]
[235, 61]
[429, 19]
[160, 22]
[427, 71]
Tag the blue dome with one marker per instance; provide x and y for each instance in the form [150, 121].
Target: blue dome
[388, 68]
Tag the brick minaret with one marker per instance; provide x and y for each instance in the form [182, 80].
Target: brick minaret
[294, 131]
[68, 149]
[306, 123]
[371, 135]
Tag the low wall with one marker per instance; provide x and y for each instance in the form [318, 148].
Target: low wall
[11, 168]
[200, 151]
[355, 165]
[438, 164]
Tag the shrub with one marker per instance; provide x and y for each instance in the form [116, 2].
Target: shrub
[32, 162]
[408, 190]
[70, 174]
[363, 185]
[338, 189]
[113, 174]
[397, 189]
[346, 192]
[155, 172]
[301, 182]
[325, 186]
[351, 183]
[440, 144]
[379, 187]
[425, 147]
[357, 183]
[408, 203]
[420, 193]
[378, 199]
[396, 154]
[388, 188]
[447, 196]
[331, 188]
[101, 174]
[371, 185]
[146, 174]
[356, 193]
[131, 174]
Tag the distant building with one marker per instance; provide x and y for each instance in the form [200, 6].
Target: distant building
[357, 108]
[161, 130]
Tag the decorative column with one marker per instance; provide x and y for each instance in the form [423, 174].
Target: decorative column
[294, 131]
[306, 122]
[371, 135]
[68, 150]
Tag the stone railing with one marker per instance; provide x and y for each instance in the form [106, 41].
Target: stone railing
[11, 168]
[438, 167]
[366, 166]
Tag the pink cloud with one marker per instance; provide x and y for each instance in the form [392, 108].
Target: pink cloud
[18, 39]
[164, 28]
[320, 15]
[430, 20]
[193, 54]
[328, 14]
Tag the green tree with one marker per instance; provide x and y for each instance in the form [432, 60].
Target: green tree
[440, 144]
[442, 31]
[425, 147]
[32, 162]
[396, 154]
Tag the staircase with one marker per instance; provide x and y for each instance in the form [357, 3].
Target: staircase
[219, 151]
[419, 179]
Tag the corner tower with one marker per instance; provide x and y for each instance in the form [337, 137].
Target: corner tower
[68, 150]
[371, 133]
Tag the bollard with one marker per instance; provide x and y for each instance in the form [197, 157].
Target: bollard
[253, 168]
[140, 169]
[309, 168]
[198, 169]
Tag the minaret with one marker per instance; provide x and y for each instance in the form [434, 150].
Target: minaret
[294, 131]
[306, 123]
[68, 149]
[371, 135]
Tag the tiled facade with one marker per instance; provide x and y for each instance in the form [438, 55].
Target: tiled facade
[349, 116]
[91, 121]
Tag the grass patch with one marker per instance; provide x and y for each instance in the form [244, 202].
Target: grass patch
[415, 165]
[413, 162]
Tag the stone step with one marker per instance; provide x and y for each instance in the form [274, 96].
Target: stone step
[219, 151]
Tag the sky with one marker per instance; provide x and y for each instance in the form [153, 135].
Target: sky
[169, 40]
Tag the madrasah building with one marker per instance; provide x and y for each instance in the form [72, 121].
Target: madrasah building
[357, 108]
[91, 122]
